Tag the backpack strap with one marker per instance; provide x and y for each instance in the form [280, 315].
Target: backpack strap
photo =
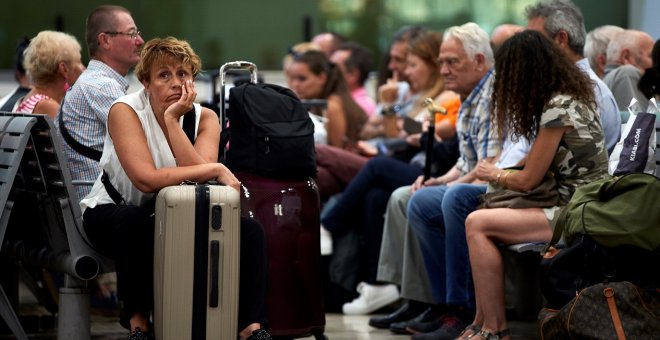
[11, 102]
[74, 144]
[189, 125]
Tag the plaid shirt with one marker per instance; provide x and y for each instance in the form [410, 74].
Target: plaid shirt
[85, 113]
[478, 138]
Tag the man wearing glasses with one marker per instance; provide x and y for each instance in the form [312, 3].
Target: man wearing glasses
[114, 43]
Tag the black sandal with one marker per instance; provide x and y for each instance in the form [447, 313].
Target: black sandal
[486, 335]
[475, 329]
[138, 334]
[259, 334]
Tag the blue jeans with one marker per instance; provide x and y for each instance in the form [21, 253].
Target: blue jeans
[437, 215]
[363, 204]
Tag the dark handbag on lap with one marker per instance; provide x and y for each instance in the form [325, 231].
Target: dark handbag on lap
[545, 195]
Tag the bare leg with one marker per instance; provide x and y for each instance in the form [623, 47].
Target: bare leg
[484, 230]
[139, 321]
[247, 331]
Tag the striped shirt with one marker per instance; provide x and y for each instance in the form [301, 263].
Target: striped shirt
[85, 113]
[27, 105]
[478, 138]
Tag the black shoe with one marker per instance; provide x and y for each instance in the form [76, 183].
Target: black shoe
[430, 314]
[452, 326]
[138, 334]
[407, 311]
[259, 334]
[430, 324]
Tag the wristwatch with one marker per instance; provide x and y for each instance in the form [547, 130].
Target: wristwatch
[391, 111]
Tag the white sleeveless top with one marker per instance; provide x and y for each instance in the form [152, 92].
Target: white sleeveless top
[158, 147]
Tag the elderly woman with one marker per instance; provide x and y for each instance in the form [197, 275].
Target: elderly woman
[144, 136]
[52, 61]
[540, 95]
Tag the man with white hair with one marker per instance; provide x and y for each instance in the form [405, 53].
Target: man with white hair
[563, 23]
[595, 46]
[466, 60]
[628, 56]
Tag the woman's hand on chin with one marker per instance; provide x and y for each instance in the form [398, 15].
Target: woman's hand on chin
[185, 102]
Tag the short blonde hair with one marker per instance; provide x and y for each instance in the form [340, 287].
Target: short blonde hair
[157, 50]
[46, 51]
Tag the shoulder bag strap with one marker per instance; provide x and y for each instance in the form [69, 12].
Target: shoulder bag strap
[81, 149]
[110, 189]
[558, 231]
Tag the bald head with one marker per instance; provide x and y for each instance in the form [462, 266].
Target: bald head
[595, 46]
[503, 32]
[328, 42]
[631, 47]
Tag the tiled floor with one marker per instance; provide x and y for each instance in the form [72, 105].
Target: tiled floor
[338, 327]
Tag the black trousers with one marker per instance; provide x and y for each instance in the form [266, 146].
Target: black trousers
[125, 233]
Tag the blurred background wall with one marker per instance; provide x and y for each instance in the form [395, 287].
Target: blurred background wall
[261, 31]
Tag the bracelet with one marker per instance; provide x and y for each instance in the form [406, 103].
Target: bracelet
[497, 179]
[504, 179]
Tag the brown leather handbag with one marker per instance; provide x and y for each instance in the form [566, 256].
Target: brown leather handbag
[613, 310]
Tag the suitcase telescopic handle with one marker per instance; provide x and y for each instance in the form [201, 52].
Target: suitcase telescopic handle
[238, 65]
[226, 67]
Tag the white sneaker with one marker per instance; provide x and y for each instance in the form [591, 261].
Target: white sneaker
[326, 242]
[371, 299]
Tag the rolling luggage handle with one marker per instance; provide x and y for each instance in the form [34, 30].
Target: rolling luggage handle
[226, 67]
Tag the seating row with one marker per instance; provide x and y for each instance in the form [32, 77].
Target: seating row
[41, 222]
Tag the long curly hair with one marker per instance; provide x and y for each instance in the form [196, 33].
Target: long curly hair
[530, 71]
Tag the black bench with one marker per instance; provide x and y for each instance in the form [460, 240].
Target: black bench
[41, 222]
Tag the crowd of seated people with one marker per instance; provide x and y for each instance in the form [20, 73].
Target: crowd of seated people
[436, 281]
[392, 233]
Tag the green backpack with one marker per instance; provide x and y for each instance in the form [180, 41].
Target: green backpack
[614, 211]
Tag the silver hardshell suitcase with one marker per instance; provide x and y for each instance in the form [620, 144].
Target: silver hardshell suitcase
[196, 262]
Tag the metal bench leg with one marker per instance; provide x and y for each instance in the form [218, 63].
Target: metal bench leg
[10, 317]
[73, 322]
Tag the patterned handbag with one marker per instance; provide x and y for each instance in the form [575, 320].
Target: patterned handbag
[614, 310]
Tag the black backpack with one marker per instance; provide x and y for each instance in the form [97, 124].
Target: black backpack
[271, 133]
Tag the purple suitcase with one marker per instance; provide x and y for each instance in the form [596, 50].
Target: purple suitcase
[289, 212]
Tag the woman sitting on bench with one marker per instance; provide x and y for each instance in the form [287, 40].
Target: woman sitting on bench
[144, 136]
[541, 95]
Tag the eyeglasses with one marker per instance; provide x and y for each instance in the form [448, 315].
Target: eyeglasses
[132, 34]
